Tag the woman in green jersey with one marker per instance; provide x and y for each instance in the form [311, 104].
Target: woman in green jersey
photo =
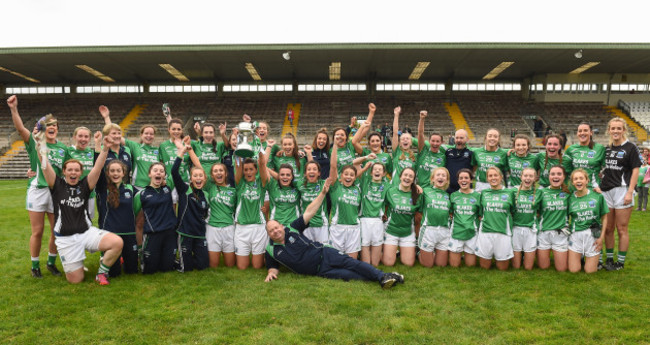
[345, 193]
[586, 154]
[374, 187]
[402, 201]
[642, 188]
[206, 148]
[345, 149]
[374, 143]
[404, 155]
[168, 155]
[588, 213]
[436, 207]
[284, 196]
[524, 232]
[309, 188]
[551, 157]
[84, 154]
[490, 155]
[39, 199]
[465, 204]
[551, 205]
[220, 228]
[430, 157]
[250, 233]
[494, 238]
[290, 155]
[520, 159]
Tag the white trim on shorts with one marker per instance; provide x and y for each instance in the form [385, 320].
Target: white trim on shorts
[318, 234]
[552, 240]
[434, 237]
[583, 242]
[39, 200]
[345, 238]
[220, 240]
[524, 239]
[615, 198]
[250, 239]
[72, 248]
[406, 241]
[372, 231]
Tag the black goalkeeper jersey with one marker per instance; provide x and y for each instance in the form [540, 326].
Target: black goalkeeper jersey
[619, 163]
[70, 207]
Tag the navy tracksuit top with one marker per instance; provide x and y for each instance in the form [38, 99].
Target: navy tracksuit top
[192, 206]
[298, 253]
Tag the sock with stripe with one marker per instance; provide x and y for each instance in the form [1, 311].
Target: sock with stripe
[610, 253]
[621, 257]
[36, 263]
[51, 259]
[103, 268]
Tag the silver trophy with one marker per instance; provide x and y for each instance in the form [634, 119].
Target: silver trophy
[245, 140]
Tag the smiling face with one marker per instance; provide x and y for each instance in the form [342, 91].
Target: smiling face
[378, 172]
[340, 137]
[219, 174]
[374, 143]
[494, 178]
[492, 139]
[405, 141]
[460, 138]
[527, 178]
[147, 135]
[584, 134]
[262, 131]
[275, 230]
[440, 178]
[465, 181]
[115, 172]
[250, 170]
[616, 130]
[435, 141]
[553, 147]
[288, 146]
[579, 180]
[197, 178]
[556, 177]
[51, 131]
[285, 176]
[321, 141]
[521, 147]
[175, 131]
[116, 136]
[312, 172]
[348, 175]
[406, 178]
[233, 141]
[208, 134]
[72, 172]
[82, 139]
[157, 175]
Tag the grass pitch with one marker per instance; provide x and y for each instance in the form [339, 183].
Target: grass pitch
[227, 306]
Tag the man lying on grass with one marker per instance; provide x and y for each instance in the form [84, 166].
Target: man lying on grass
[289, 247]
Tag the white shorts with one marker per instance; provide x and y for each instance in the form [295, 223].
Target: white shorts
[481, 186]
[434, 237]
[615, 196]
[458, 246]
[91, 208]
[318, 234]
[553, 240]
[406, 241]
[220, 239]
[494, 245]
[72, 248]
[345, 238]
[523, 239]
[250, 239]
[372, 232]
[39, 200]
[583, 242]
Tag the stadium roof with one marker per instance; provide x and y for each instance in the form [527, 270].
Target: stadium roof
[310, 62]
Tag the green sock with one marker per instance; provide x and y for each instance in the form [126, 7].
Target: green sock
[51, 259]
[610, 253]
[36, 264]
[621, 257]
[103, 268]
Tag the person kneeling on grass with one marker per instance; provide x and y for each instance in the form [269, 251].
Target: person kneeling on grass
[289, 247]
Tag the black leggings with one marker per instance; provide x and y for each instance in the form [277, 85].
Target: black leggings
[158, 251]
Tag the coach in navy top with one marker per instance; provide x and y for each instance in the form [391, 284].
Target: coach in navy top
[458, 157]
[289, 247]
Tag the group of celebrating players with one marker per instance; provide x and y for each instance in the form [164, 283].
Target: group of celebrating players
[186, 203]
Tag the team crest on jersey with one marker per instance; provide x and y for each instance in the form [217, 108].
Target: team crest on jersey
[229, 192]
[203, 205]
[526, 164]
[166, 189]
[125, 157]
[355, 191]
[89, 155]
[620, 154]
[127, 195]
[439, 161]
[562, 194]
[592, 203]
[504, 197]
[317, 188]
[591, 154]
[61, 152]
[496, 159]
[291, 239]
[530, 198]
[472, 201]
[446, 197]
[466, 154]
[155, 152]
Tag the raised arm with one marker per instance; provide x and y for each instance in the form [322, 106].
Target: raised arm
[361, 133]
[96, 171]
[396, 112]
[190, 151]
[261, 162]
[423, 115]
[333, 164]
[12, 102]
[106, 114]
[313, 207]
[357, 163]
[308, 153]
